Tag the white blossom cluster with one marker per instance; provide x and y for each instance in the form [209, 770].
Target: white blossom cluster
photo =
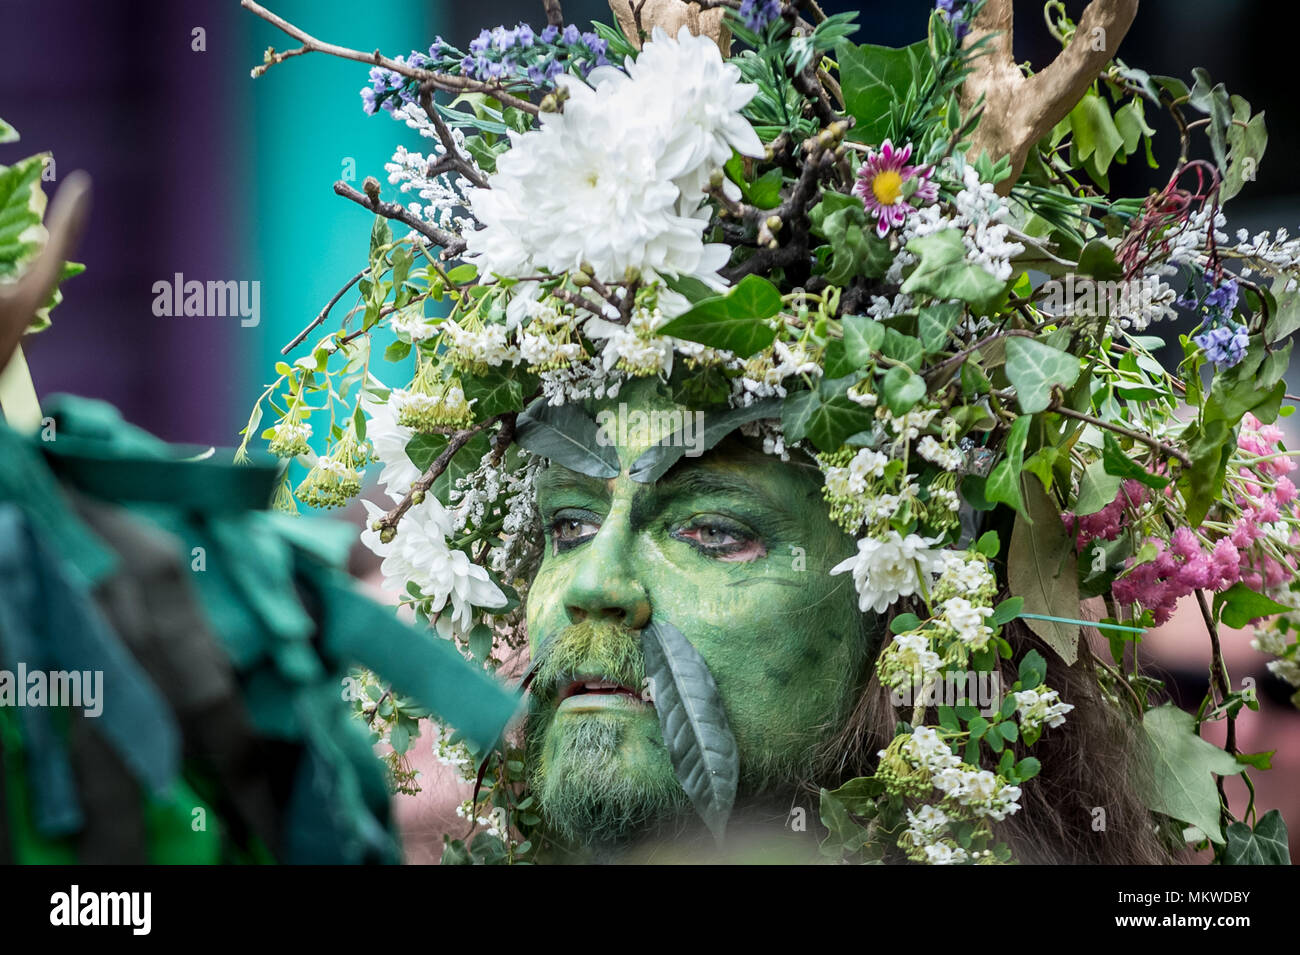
[979, 790]
[979, 213]
[485, 345]
[967, 621]
[1041, 707]
[443, 196]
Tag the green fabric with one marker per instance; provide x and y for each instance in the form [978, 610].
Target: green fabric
[188, 563]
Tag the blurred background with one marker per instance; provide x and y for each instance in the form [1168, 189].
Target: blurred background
[201, 170]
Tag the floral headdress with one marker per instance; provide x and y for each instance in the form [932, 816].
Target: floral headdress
[904, 263]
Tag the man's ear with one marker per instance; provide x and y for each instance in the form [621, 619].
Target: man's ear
[20, 300]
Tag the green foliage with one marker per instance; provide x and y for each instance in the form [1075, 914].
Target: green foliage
[736, 321]
[694, 724]
[1183, 770]
[944, 272]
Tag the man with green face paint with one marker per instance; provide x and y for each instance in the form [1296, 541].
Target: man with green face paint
[733, 548]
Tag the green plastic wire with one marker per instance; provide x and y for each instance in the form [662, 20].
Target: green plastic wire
[1085, 623]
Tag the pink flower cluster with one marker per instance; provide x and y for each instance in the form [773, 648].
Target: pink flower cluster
[1178, 571]
[1187, 564]
[1105, 524]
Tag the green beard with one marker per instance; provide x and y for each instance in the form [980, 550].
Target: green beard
[600, 776]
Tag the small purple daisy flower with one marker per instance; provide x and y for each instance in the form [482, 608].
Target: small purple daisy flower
[887, 186]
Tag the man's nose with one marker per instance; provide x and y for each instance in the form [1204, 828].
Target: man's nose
[605, 586]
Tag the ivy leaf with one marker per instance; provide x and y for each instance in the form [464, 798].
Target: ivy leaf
[1004, 482]
[863, 337]
[855, 248]
[934, 322]
[1246, 145]
[7, 133]
[694, 724]
[1241, 605]
[494, 393]
[944, 272]
[902, 389]
[874, 78]
[823, 417]
[1265, 845]
[654, 463]
[1183, 768]
[1034, 368]
[1095, 134]
[736, 321]
[567, 436]
[1041, 567]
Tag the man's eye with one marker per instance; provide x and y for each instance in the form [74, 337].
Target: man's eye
[568, 531]
[722, 541]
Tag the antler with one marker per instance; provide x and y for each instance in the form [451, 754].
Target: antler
[20, 300]
[1019, 110]
[638, 16]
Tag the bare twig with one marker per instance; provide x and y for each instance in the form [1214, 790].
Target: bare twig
[421, 486]
[1147, 439]
[452, 245]
[554, 15]
[453, 156]
[442, 81]
[324, 312]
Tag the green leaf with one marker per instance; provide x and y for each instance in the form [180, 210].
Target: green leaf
[1041, 567]
[874, 78]
[863, 337]
[654, 463]
[423, 449]
[904, 622]
[493, 393]
[1007, 611]
[944, 272]
[1004, 482]
[1120, 465]
[736, 321]
[1183, 767]
[568, 436]
[480, 642]
[694, 724]
[1265, 845]
[901, 389]
[1241, 605]
[934, 322]
[1095, 134]
[1097, 488]
[7, 133]
[855, 248]
[1035, 368]
[765, 191]
[824, 420]
[1246, 145]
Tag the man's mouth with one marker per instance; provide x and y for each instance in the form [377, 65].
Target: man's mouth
[596, 693]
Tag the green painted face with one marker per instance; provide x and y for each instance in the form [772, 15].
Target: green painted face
[733, 548]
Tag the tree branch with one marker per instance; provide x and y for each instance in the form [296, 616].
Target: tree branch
[452, 155]
[554, 15]
[452, 245]
[421, 486]
[442, 81]
[1021, 110]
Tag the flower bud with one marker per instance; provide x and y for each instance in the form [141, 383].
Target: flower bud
[371, 188]
[387, 534]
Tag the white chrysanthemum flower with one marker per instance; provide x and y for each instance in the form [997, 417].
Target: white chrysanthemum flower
[419, 554]
[887, 568]
[694, 98]
[601, 183]
[389, 440]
